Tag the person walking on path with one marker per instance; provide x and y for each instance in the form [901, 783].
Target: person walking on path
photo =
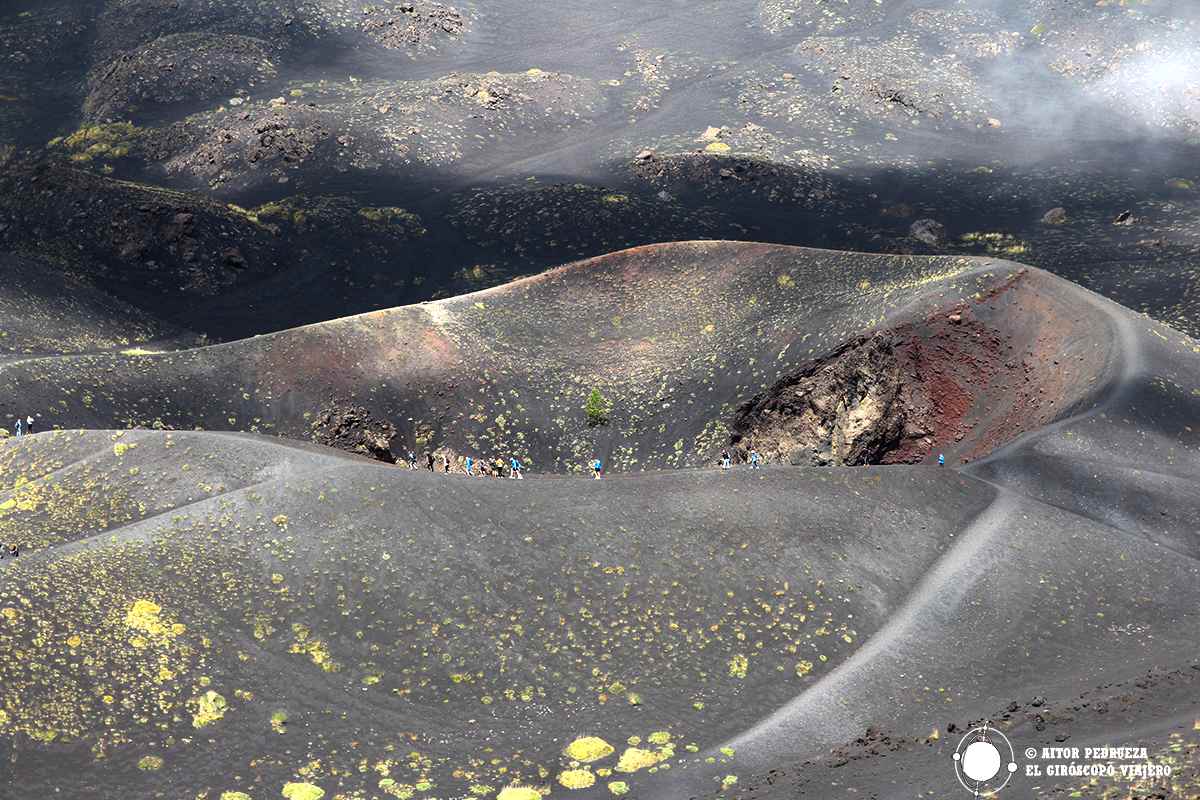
[726, 462]
[515, 467]
[597, 467]
[755, 459]
[941, 459]
[19, 428]
[445, 464]
[412, 460]
[29, 424]
[470, 467]
[429, 461]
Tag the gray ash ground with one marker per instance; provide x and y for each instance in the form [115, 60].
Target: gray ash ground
[215, 614]
[339, 627]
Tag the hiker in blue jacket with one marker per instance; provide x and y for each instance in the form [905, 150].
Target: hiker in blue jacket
[470, 467]
[596, 469]
[515, 469]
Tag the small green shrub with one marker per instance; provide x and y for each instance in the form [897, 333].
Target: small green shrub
[597, 408]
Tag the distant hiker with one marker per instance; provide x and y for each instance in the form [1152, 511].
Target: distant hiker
[941, 459]
[470, 467]
[755, 459]
[596, 468]
[515, 469]
[726, 461]
[429, 461]
[499, 469]
[446, 464]
[20, 429]
[412, 460]
[29, 424]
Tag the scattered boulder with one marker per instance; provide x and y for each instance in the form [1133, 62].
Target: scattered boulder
[1055, 216]
[928, 231]
[1125, 218]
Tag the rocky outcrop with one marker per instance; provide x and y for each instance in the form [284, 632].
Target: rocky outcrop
[355, 430]
[853, 407]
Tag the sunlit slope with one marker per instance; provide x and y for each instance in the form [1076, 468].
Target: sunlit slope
[675, 337]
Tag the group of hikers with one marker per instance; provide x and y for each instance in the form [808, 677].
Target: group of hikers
[23, 426]
[470, 466]
[752, 458]
[495, 469]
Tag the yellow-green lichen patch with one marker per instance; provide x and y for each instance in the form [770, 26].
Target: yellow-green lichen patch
[576, 778]
[635, 758]
[207, 708]
[587, 749]
[302, 791]
[659, 737]
[519, 793]
[144, 616]
[738, 666]
[315, 649]
[618, 788]
[150, 763]
[279, 721]
[391, 215]
[728, 781]
[108, 141]
[235, 796]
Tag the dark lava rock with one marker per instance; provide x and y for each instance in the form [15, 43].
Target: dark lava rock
[355, 430]
[412, 25]
[929, 231]
[182, 68]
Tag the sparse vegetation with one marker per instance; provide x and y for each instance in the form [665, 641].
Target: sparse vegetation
[597, 408]
[109, 141]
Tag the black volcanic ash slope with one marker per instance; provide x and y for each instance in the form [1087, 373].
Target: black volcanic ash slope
[693, 345]
[335, 627]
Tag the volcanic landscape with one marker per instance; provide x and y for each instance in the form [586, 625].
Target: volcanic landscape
[257, 254]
